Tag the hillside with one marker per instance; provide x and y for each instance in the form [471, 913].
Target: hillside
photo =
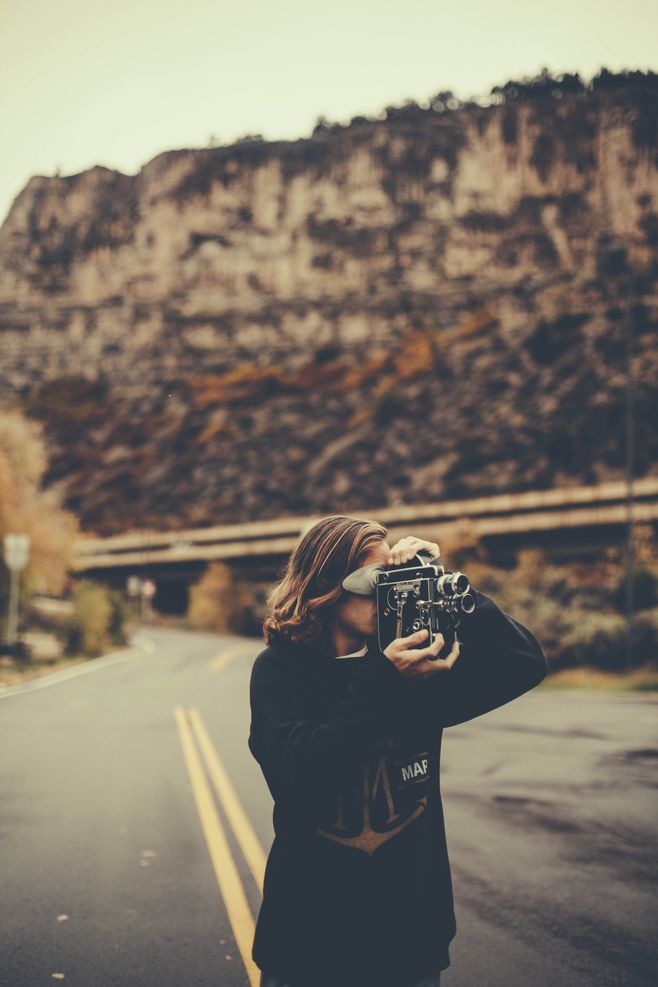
[434, 303]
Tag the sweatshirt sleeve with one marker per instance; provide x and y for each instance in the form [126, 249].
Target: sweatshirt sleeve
[500, 659]
[306, 755]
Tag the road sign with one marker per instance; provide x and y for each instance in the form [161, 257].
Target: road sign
[148, 589]
[133, 585]
[16, 554]
[16, 551]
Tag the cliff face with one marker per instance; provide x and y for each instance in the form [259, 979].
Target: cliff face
[434, 291]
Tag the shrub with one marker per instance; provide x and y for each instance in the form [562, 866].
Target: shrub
[599, 639]
[118, 617]
[645, 590]
[554, 601]
[26, 507]
[569, 608]
[225, 602]
[88, 632]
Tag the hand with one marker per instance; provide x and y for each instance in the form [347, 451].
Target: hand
[406, 548]
[414, 662]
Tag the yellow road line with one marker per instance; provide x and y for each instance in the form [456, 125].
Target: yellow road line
[226, 872]
[237, 817]
[224, 657]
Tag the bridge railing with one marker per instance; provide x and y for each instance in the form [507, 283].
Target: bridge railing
[538, 510]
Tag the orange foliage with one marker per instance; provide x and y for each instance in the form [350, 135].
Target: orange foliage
[26, 508]
[369, 369]
[214, 425]
[416, 357]
[241, 382]
[476, 322]
[366, 412]
[313, 375]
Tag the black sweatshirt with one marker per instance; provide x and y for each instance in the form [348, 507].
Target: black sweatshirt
[357, 886]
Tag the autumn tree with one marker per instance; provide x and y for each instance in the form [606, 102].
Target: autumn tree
[27, 508]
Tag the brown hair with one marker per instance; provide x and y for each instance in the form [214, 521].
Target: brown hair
[302, 605]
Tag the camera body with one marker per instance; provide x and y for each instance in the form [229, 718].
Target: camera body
[421, 594]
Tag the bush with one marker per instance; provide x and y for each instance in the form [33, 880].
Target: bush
[569, 610]
[599, 639]
[645, 590]
[118, 617]
[89, 632]
[20, 651]
[26, 507]
[223, 601]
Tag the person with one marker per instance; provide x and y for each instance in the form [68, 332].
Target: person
[357, 889]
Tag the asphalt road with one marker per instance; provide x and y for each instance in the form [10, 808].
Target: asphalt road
[134, 826]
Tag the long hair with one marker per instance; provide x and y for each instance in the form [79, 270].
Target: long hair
[302, 605]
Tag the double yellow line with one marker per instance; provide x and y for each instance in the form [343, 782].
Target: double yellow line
[198, 750]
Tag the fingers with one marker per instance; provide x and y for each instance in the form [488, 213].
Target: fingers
[406, 548]
[403, 644]
[450, 658]
[401, 551]
[414, 661]
[427, 666]
[433, 650]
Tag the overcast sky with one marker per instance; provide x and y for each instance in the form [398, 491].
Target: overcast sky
[85, 83]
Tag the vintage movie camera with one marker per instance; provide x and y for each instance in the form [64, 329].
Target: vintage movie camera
[416, 595]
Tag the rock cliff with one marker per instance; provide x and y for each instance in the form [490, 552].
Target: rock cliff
[435, 303]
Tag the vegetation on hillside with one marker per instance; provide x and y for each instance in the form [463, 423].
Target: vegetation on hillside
[437, 125]
[439, 412]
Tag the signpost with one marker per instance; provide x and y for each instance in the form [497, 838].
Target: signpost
[16, 555]
[148, 592]
[145, 589]
[133, 585]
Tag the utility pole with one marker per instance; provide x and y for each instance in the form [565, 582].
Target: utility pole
[629, 314]
[615, 267]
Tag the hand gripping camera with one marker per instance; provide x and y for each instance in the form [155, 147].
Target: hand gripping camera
[419, 594]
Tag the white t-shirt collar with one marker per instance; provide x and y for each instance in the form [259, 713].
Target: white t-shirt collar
[353, 654]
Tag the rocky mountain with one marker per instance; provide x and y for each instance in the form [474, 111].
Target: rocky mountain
[434, 303]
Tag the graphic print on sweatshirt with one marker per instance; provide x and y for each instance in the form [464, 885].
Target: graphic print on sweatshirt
[391, 795]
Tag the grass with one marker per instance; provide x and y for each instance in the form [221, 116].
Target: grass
[643, 679]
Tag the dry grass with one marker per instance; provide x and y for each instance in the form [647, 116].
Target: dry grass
[638, 680]
[15, 674]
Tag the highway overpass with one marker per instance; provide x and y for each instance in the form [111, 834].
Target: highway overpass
[568, 523]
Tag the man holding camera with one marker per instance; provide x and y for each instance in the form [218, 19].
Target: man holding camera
[358, 889]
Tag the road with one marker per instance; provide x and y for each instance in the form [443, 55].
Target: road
[134, 825]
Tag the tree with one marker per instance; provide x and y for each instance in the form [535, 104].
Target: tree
[26, 507]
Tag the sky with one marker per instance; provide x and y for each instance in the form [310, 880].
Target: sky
[85, 83]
